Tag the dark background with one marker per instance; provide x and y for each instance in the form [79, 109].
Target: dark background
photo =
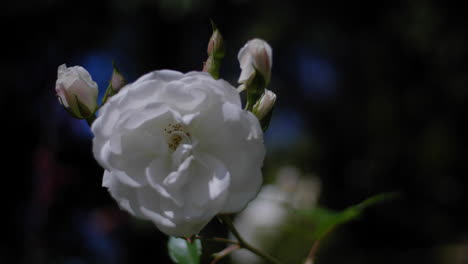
[371, 98]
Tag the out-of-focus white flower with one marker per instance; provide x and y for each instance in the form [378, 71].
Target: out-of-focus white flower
[178, 149]
[260, 222]
[76, 91]
[265, 104]
[256, 54]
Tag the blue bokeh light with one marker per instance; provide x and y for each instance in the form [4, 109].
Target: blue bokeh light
[286, 129]
[317, 76]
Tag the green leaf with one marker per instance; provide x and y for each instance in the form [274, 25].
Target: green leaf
[183, 252]
[326, 220]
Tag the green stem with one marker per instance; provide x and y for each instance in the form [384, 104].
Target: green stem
[91, 119]
[224, 253]
[218, 239]
[243, 244]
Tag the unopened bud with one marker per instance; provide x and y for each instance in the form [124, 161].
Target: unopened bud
[215, 53]
[76, 91]
[116, 83]
[265, 104]
[117, 79]
[216, 44]
[255, 55]
[208, 64]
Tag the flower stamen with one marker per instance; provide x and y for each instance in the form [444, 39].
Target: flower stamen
[176, 135]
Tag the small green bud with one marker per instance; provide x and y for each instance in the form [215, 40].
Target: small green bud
[216, 45]
[265, 104]
[116, 82]
[264, 109]
[215, 52]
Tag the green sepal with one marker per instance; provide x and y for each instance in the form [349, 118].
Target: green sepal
[265, 121]
[181, 251]
[255, 88]
[109, 92]
[83, 110]
[213, 69]
[219, 50]
[115, 68]
[68, 109]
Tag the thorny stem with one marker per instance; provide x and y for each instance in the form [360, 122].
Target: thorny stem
[218, 239]
[313, 250]
[228, 222]
[224, 253]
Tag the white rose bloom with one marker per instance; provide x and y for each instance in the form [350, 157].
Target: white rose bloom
[178, 149]
[256, 54]
[76, 83]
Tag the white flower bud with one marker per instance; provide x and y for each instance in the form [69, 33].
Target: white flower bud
[265, 104]
[117, 80]
[256, 54]
[215, 52]
[76, 91]
[216, 44]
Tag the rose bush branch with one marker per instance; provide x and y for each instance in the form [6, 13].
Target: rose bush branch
[240, 243]
[325, 220]
[313, 251]
[224, 253]
[243, 244]
[217, 239]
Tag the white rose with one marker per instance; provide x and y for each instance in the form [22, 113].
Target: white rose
[76, 90]
[256, 54]
[178, 149]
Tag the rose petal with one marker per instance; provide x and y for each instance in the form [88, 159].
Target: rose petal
[179, 149]
[125, 195]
